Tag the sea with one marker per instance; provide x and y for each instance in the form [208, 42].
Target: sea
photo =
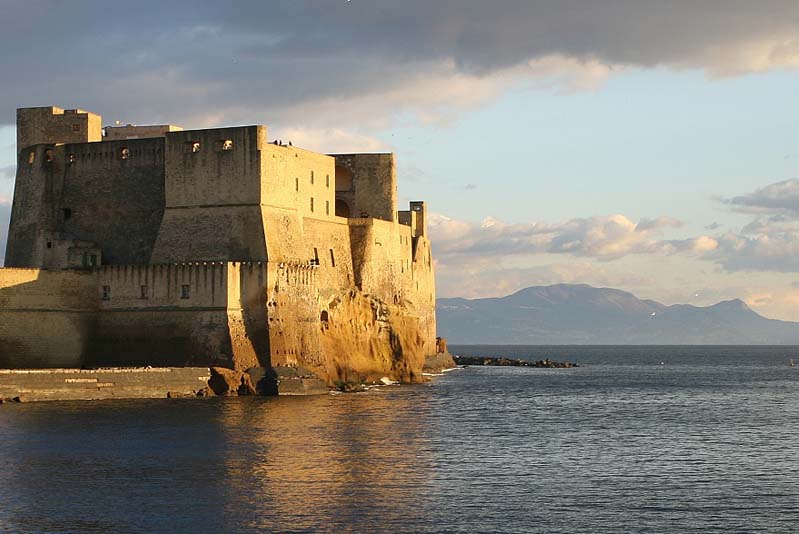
[637, 439]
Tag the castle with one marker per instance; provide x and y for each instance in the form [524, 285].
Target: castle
[154, 245]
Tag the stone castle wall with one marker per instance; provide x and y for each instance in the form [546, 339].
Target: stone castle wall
[215, 247]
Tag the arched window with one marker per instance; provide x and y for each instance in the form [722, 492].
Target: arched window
[343, 178]
[342, 208]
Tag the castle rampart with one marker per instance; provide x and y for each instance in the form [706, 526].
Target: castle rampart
[215, 247]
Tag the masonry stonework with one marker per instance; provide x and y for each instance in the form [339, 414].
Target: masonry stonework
[156, 246]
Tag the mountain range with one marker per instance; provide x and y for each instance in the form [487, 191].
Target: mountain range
[566, 314]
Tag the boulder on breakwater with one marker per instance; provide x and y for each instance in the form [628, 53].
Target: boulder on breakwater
[501, 361]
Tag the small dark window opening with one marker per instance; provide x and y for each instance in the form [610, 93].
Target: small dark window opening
[332, 258]
[184, 291]
[49, 244]
[67, 213]
[315, 260]
[93, 260]
[124, 153]
[327, 207]
[324, 317]
[143, 292]
[106, 292]
[76, 127]
[297, 184]
[327, 181]
[48, 155]
[312, 204]
[311, 177]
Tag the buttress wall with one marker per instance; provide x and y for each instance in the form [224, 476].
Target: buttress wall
[213, 196]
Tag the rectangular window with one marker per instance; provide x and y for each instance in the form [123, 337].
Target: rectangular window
[297, 184]
[184, 291]
[106, 292]
[327, 207]
[332, 258]
[315, 256]
[311, 204]
[311, 177]
[67, 213]
[143, 292]
[327, 181]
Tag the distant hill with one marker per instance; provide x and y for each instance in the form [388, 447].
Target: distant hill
[580, 314]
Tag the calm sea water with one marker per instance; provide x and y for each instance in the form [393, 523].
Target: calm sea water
[706, 442]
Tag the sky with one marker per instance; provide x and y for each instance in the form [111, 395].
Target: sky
[649, 146]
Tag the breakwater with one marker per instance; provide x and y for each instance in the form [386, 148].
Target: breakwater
[28, 385]
[511, 362]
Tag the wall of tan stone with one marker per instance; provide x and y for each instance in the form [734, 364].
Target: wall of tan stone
[293, 177]
[45, 317]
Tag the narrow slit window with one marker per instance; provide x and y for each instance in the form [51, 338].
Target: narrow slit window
[297, 184]
[332, 258]
[327, 181]
[311, 177]
[31, 157]
[144, 292]
[184, 291]
[315, 260]
[67, 213]
[311, 204]
[327, 207]
[106, 292]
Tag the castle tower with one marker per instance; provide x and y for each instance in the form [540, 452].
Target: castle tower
[52, 125]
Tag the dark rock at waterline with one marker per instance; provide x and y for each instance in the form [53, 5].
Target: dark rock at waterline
[511, 362]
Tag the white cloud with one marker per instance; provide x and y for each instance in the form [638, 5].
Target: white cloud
[602, 237]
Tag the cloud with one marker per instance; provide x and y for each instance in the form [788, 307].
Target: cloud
[330, 141]
[602, 237]
[781, 198]
[335, 63]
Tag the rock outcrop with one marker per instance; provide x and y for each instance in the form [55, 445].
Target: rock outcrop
[365, 339]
